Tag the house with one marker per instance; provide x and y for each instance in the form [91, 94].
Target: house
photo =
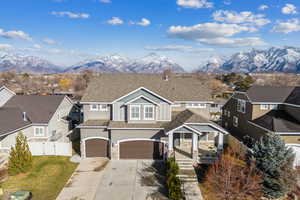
[40, 118]
[148, 116]
[5, 95]
[265, 109]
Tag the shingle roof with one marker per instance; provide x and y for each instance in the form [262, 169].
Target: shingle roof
[276, 94]
[294, 97]
[39, 109]
[278, 121]
[108, 87]
[11, 119]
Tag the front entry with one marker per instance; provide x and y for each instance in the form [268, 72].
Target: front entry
[183, 145]
[141, 149]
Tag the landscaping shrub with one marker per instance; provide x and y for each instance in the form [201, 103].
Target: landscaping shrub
[275, 161]
[20, 159]
[173, 182]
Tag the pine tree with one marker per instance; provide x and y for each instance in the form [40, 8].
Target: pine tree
[20, 159]
[275, 162]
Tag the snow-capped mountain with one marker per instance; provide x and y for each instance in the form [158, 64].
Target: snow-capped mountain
[286, 59]
[26, 64]
[151, 63]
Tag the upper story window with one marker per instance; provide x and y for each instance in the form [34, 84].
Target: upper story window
[135, 112]
[196, 105]
[39, 131]
[148, 112]
[99, 107]
[264, 106]
[241, 106]
[235, 121]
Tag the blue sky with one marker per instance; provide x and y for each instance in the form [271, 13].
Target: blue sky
[187, 31]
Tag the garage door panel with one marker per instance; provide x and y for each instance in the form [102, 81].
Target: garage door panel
[141, 150]
[96, 148]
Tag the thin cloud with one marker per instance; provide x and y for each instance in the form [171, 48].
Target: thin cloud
[115, 21]
[49, 41]
[71, 15]
[291, 25]
[195, 4]
[263, 7]
[177, 48]
[143, 22]
[289, 9]
[15, 34]
[105, 1]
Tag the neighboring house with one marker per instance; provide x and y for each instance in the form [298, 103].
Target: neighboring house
[5, 95]
[265, 109]
[39, 118]
[147, 116]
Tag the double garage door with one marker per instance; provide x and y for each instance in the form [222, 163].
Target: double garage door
[138, 149]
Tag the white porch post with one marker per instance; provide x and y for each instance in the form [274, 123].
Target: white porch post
[220, 141]
[170, 144]
[195, 145]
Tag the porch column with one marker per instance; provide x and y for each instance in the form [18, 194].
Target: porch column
[195, 146]
[170, 144]
[220, 141]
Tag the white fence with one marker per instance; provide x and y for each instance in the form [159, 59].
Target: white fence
[50, 148]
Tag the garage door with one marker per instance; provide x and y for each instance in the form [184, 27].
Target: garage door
[96, 148]
[141, 150]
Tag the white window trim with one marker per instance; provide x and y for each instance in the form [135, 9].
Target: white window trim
[264, 106]
[235, 123]
[149, 106]
[137, 106]
[103, 109]
[240, 102]
[40, 128]
[94, 109]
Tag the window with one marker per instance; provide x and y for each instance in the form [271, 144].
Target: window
[235, 121]
[135, 111]
[99, 107]
[196, 105]
[274, 107]
[228, 113]
[39, 131]
[148, 112]
[214, 105]
[241, 106]
[264, 107]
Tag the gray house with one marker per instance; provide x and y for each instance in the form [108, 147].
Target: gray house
[40, 118]
[143, 116]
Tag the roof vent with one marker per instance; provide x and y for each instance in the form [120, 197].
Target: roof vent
[25, 117]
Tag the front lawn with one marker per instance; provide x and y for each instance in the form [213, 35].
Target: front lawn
[45, 180]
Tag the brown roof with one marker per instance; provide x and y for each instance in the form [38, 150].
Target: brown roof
[294, 97]
[11, 119]
[108, 87]
[276, 94]
[39, 109]
[278, 121]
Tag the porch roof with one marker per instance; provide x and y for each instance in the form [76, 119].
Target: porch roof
[193, 122]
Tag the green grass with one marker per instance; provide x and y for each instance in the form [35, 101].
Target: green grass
[45, 180]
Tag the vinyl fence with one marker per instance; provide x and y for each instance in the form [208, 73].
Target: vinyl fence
[50, 148]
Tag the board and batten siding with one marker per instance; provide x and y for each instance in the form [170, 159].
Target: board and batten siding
[95, 115]
[5, 95]
[164, 112]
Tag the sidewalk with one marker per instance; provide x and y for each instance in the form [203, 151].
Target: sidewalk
[84, 182]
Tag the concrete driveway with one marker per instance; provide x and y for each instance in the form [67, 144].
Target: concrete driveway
[132, 180]
[84, 181]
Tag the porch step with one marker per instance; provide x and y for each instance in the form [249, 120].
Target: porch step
[191, 177]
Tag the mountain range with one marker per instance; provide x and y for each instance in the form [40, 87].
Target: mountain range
[275, 59]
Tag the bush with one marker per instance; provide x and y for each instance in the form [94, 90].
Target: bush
[173, 182]
[20, 158]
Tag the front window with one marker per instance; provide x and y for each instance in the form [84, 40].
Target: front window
[235, 121]
[99, 107]
[241, 106]
[39, 131]
[264, 107]
[103, 107]
[94, 107]
[135, 111]
[149, 112]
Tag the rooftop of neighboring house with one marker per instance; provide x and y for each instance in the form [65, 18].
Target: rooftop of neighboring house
[273, 94]
[22, 110]
[109, 87]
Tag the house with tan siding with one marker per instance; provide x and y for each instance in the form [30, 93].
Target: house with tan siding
[148, 116]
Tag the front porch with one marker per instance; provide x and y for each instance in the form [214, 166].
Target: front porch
[199, 142]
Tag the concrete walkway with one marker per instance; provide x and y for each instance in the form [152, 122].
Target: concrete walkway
[84, 181]
[192, 191]
[129, 180]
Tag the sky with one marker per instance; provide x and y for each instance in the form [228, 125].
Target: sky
[189, 32]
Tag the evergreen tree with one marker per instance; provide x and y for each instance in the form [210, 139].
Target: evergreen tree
[275, 161]
[20, 159]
